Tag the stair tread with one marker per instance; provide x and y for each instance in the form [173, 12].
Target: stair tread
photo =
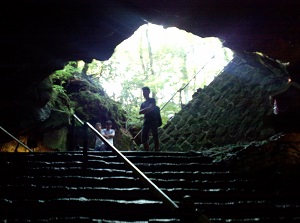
[59, 185]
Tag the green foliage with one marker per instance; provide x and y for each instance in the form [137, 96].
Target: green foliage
[70, 70]
[93, 107]
[60, 100]
[95, 68]
[89, 101]
[171, 67]
[62, 75]
[165, 66]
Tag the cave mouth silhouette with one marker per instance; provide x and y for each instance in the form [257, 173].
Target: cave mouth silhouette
[174, 56]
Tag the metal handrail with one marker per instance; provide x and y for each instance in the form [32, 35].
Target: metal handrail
[25, 146]
[171, 204]
[78, 119]
[136, 171]
[74, 118]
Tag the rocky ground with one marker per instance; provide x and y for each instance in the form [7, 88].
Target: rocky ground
[278, 156]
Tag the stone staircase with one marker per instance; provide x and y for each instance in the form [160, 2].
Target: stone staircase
[64, 187]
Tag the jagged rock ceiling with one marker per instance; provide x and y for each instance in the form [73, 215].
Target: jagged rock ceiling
[38, 37]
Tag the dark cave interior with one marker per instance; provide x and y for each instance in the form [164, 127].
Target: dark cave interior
[40, 37]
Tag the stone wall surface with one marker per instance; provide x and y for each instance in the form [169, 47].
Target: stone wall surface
[231, 109]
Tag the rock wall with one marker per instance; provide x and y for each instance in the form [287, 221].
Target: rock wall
[231, 110]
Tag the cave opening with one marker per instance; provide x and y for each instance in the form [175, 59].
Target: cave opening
[172, 62]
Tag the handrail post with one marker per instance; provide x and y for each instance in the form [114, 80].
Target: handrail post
[85, 141]
[72, 137]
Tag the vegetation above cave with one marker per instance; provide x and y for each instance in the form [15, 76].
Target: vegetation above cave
[172, 62]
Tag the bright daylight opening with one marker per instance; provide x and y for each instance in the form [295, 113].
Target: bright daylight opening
[172, 62]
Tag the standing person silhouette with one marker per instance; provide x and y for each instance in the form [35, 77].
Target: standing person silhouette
[150, 120]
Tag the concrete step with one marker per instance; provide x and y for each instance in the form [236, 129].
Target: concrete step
[64, 187]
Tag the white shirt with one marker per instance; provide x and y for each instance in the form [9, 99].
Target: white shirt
[109, 132]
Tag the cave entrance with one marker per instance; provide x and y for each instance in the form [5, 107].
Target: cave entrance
[168, 60]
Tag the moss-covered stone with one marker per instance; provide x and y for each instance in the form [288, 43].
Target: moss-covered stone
[231, 109]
